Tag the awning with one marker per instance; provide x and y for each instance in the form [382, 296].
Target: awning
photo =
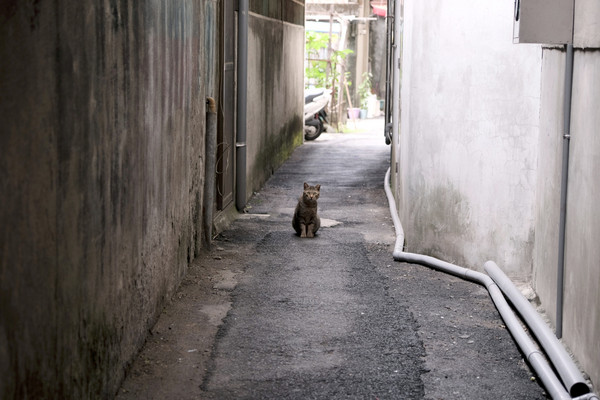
[379, 8]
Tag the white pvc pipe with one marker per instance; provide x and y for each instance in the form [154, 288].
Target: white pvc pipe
[566, 368]
[538, 362]
[564, 182]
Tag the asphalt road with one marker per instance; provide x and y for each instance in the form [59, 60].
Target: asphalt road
[268, 315]
[335, 317]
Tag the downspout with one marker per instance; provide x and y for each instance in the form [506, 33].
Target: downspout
[396, 75]
[551, 383]
[564, 188]
[242, 86]
[209, 171]
[388, 71]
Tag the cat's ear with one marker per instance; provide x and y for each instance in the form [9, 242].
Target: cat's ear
[305, 185]
[318, 187]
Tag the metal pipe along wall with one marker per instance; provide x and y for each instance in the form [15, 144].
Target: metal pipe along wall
[242, 86]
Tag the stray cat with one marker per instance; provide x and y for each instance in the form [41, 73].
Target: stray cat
[306, 222]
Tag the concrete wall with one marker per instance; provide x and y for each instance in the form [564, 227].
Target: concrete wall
[102, 119]
[102, 116]
[548, 179]
[581, 314]
[582, 282]
[469, 132]
[479, 153]
[275, 92]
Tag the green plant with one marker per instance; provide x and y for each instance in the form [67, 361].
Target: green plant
[316, 66]
[338, 57]
[321, 69]
[364, 89]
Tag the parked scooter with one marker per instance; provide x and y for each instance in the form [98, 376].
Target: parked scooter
[315, 116]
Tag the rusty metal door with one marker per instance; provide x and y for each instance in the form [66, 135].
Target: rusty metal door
[226, 130]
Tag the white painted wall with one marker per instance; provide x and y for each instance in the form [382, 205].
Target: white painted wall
[479, 153]
[581, 320]
[469, 133]
[581, 309]
[545, 259]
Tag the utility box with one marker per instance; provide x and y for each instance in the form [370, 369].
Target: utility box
[543, 21]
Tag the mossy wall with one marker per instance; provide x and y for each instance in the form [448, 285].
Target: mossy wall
[102, 118]
[275, 92]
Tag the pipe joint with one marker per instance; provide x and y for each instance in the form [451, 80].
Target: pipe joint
[535, 353]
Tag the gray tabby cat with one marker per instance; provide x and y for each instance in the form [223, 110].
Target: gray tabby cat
[306, 222]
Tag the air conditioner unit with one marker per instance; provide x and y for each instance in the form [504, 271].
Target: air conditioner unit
[543, 21]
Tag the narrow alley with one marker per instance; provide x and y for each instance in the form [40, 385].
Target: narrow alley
[268, 315]
[153, 153]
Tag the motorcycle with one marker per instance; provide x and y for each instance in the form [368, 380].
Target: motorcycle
[315, 116]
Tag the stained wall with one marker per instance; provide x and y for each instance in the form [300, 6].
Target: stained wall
[275, 122]
[468, 135]
[581, 306]
[477, 160]
[102, 120]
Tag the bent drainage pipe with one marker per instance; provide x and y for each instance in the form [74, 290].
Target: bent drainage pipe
[534, 357]
[566, 368]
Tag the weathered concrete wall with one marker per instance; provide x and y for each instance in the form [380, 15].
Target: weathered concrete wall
[469, 128]
[102, 119]
[581, 324]
[581, 313]
[275, 94]
[476, 180]
[548, 179]
[480, 147]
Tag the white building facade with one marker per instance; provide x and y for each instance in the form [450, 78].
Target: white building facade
[476, 156]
